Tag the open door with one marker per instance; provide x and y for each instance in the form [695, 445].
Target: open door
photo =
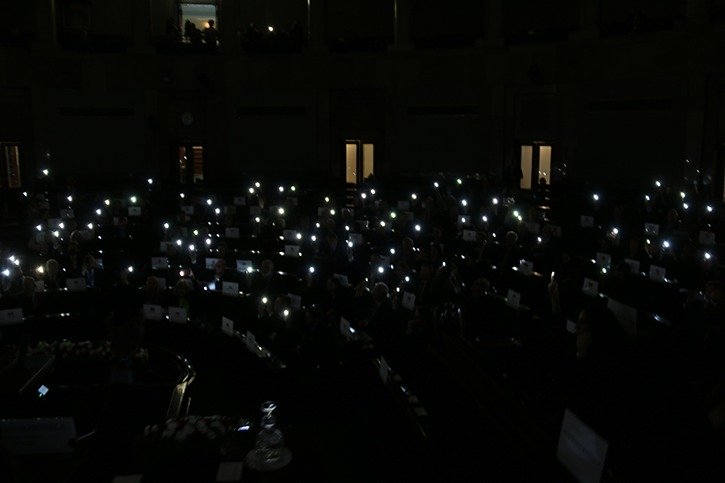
[189, 163]
[359, 161]
[535, 164]
[10, 165]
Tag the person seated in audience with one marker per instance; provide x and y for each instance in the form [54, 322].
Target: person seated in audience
[52, 276]
[12, 283]
[90, 272]
[266, 282]
[380, 322]
[72, 261]
[508, 253]
[151, 292]
[334, 252]
[182, 295]
[217, 281]
[211, 35]
[425, 288]
[672, 223]
[27, 299]
[636, 251]
[336, 300]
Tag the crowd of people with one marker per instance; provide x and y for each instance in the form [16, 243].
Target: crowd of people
[409, 266]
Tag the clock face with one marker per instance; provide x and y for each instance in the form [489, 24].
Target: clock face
[187, 118]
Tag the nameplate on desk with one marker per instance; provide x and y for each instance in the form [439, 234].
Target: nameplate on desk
[39, 286]
[228, 326]
[526, 267]
[408, 301]
[706, 238]
[469, 235]
[356, 238]
[341, 279]
[586, 221]
[251, 342]
[291, 251]
[633, 265]
[657, 273]
[177, 315]
[513, 299]
[289, 235]
[626, 315]
[255, 210]
[652, 229]
[580, 450]
[384, 370]
[164, 246]
[240, 201]
[604, 260]
[76, 284]
[244, 266]
[11, 316]
[159, 263]
[67, 214]
[533, 228]
[404, 205]
[295, 301]
[229, 472]
[590, 287]
[38, 435]
[230, 288]
[134, 211]
[570, 326]
[153, 312]
[231, 232]
[346, 330]
[210, 263]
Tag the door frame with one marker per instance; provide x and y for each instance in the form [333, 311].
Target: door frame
[535, 160]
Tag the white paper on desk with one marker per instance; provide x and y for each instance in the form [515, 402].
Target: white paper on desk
[513, 299]
[289, 235]
[570, 327]
[240, 201]
[652, 229]
[228, 326]
[38, 435]
[633, 265]
[134, 211]
[469, 235]
[345, 329]
[408, 301]
[533, 228]
[295, 301]
[586, 221]
[291, 251]
[626, 315]
[356, 238]
[159, 263]
[11, 316]
[230, 288]
[39, 286]
[384, 370]
[187, 209]
[404, 205]
[604, 260]
[153, 312]
[76, 284]
[707, 238]
[230, 471]
[342, 279]
[657, 273]
[177, 315]
[526, 267]
[231, 232]
[244, 265]
[590, 287]
[67, 213]
[210, 263]
[255, 210]
[581, 450]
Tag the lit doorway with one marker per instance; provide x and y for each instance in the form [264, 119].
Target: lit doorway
[199, 14]
[10, 165]
[535, 164]
[190, 163]
[359, 161]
